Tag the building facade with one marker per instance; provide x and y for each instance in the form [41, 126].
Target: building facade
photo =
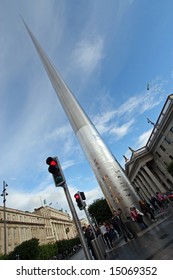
[147, 167]
[45, 223]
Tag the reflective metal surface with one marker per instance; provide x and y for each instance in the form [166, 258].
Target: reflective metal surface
[114, 184]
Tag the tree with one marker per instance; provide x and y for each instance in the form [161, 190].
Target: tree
[27, 250]
[100, 210]
[170, 168]
[48, 251]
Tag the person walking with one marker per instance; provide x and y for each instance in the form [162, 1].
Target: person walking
[131, 233]
[161, 200]
[105, 235]
[137, 216]
[129, 225]
[117, 219]
[89, 237]
[146, 209]
[155, 204]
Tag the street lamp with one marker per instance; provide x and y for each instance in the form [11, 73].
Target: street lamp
[149, 121]
[157, 126]
[4, 194]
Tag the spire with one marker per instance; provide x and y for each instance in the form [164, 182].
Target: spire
[101, 160]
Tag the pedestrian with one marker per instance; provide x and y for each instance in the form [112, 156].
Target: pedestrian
[113, 232]
[117, 219]
[137, 216]
[155, 204]
[129, 225]
[131, 233]
[161, 200]
[146, 209]
[89, 237]
[105, 235]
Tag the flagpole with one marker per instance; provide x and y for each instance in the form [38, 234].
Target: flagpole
[41, 201]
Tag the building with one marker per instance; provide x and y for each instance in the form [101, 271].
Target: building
[147, 167]
[58, 224]
[45, 223]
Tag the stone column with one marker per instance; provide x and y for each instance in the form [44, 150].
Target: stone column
[156, 186]
[143, 187]
[145, 184]
[141, 192]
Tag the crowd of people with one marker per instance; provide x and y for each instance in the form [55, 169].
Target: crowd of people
[125, 225]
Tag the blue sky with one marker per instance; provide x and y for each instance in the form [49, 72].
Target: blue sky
[107, 52]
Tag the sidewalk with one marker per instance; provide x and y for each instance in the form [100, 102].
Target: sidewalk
[153, 243]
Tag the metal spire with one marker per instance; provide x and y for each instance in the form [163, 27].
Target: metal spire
[104, 165]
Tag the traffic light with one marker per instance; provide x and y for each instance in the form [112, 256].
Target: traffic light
[80, 197]
[56, 171]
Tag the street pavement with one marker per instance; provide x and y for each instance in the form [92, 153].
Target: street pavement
[153, 243]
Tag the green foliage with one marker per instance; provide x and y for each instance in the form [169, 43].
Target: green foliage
[100, 210]
[48, 251]
[31, 250]
[3, 257]
[170, 168]
[28, 250]
[63, 245]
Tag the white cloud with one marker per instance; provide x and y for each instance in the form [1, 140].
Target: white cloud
[28, 201]
[143, 138]
[139, 104]
[88, 54]
[68, 164]
[120, 131]
[120, 120]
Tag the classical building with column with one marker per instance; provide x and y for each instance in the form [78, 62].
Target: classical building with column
[45, 223]
[147, 167]
[58, 224]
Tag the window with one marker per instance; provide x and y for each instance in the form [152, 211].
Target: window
[167, 140]
[158, 154]
[162, 148]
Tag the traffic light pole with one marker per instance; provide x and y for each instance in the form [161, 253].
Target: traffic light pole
[77, 223]
[90, 222]
[97, 242]
[59, 180]
[4, 193]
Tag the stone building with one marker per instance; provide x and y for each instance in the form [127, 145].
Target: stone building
[45, 223]
[147, 167]
[58, 224]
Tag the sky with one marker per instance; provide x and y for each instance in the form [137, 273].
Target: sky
[107, 51]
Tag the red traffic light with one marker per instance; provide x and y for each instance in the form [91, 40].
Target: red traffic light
[53, 163]
[77, 196]
[79, 200]
[55, 169]
[50, 161]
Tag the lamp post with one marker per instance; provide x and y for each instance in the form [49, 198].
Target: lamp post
[4, 193]
[157, 126]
